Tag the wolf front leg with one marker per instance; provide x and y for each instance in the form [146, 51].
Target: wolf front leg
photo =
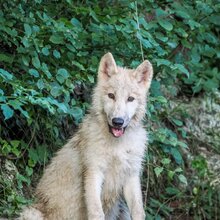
[133, 197]
[93, 186]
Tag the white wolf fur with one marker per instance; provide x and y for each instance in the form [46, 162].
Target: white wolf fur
[96, 176]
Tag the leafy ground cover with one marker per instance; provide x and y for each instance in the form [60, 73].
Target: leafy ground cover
[48, 63]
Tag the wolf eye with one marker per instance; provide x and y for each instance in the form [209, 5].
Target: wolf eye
[130, 99]
[111, 96]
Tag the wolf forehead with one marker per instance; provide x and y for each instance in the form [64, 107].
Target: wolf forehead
[123, 79]
[125, 73]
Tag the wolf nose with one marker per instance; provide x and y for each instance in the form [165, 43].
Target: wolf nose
[117, 122]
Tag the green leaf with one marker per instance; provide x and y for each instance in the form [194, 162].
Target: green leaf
[181, 32]
[33, 72]
[182, 14]
[7, 111]
[25, 42]
[161, 37]
[69, 84]
[45, 51]
[80, 66]
[62, 107]
[16, 104]
[42, 153]
[56, 54]
[165, 161]
[76, 112]
[57, 39]
[93, 15]
[183, 179]
[209, 51]
[182, 144]
[171, 174]
[181, 68]
[165, 24]
[91, 78]
[178, 170]
[211, 84]
[1, 92]
[16, 152]
[195, 190]
[62, 75]
[63, 72]
[5, 74]
[161, 13]
[172, 191]
[24, 113]
[177, 156]
[155, 89]
[158, 171]
[46, 70]
[36, 62]
[193, 24]
[215, 19]
[25, 60]
[75, 22]
[172, 44]
[60, 78]
[6, 58]
[20, 178]
[28, 30]
[177, 122]
[160, 99]
[40, 84]
[15, 143]
[56, 91]
[29, 170]
[163, 62]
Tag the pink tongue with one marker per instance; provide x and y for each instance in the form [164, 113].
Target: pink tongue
[117, 132]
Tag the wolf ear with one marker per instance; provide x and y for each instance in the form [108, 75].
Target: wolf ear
[107, 66]
[144, 74]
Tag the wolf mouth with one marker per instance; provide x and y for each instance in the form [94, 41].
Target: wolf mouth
[116, 131]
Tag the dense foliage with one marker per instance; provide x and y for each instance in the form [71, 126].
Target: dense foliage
[48, 63]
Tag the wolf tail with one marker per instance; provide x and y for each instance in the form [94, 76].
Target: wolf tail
[31, 213]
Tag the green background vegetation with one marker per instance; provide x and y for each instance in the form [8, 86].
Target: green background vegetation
[49, 55]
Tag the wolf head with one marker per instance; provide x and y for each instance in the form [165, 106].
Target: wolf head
[120, 94]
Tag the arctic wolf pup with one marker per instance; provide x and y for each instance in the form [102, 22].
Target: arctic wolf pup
[96, 175]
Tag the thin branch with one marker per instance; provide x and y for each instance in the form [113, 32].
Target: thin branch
[139, 31]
